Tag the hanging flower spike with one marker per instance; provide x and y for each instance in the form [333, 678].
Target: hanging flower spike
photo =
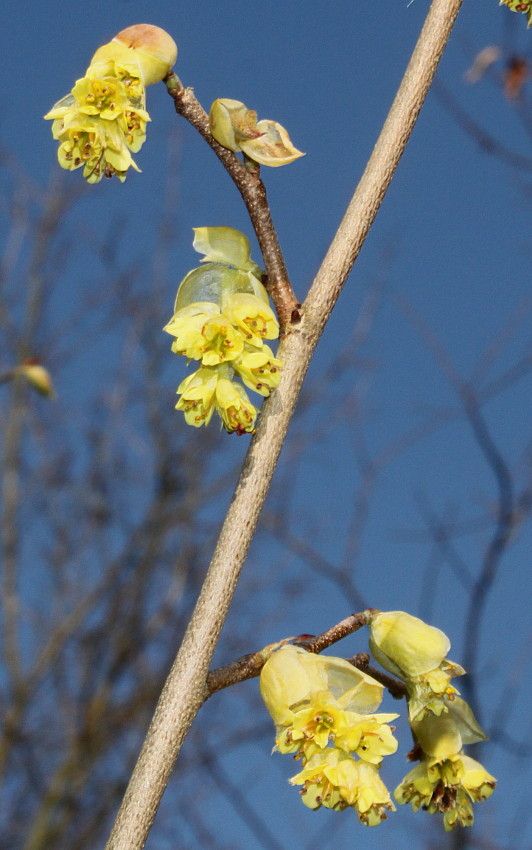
[221, 317]
[524, 6]
[235, 127]
[104, 116]
[319, 705]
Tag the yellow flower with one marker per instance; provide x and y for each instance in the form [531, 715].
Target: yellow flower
[221, 316]
[373, 801]
[336, 780]
[202, 333]
[234, 407]
[432, 692]
[107, 97]
[320, 781]
[252, 316]
[369, 736]
[447, 785]
[198, 396]
[405, 645]
[259, 369]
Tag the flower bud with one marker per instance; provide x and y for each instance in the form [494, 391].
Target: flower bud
[39, 377]
[405, 645]
[155, 50]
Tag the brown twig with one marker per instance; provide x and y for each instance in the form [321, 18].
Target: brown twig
[253, 191]
[249, 666]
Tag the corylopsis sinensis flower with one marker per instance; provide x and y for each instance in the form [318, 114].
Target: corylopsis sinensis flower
[323, 709]
[104, 117]
[221, 318]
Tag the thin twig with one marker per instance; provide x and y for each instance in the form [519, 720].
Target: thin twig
[183, 693]
[253, 191]
[249, 666]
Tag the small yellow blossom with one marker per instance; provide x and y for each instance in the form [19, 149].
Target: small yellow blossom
[432, 692]
[256, 320]
[447, 785]
[221, 317]
[335, 780]
[97, 125]
[198, 396]
[206, 336]
[234, 407]
[259, 369]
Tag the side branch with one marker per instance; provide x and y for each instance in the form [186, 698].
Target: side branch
[253, 191]
[249, 666]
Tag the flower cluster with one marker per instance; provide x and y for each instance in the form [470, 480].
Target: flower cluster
[524, 6]
[104, 118]
[235, 127]
[445, 780]
[323, 709]
[221, 318]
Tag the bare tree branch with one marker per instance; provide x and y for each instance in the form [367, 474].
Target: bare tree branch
[183, 693]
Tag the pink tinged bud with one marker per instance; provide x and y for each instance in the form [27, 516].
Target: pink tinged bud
[155, 49]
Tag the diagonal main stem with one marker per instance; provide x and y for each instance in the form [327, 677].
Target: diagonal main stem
[184, 690]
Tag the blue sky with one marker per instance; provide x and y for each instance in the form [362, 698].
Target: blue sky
[451, 249]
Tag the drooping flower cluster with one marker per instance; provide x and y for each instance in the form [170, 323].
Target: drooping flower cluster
[221, 318]
[104, 117]
[323, 709]
[235, 127]
[445, 780]
[524, 6]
